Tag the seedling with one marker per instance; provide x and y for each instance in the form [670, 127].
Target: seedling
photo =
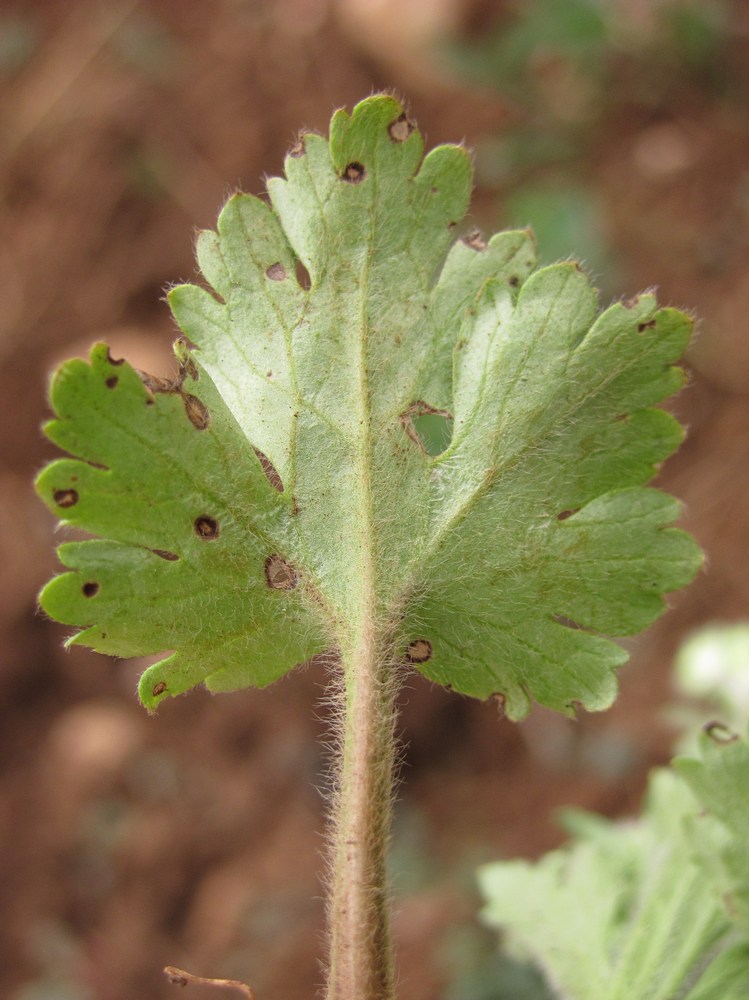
[386, 446]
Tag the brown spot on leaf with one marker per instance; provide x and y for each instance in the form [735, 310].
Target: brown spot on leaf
[270, 471]
[163, 554]
[513, 281]
[419, 651]
[188, 369]
[569, 623]
[207, 527]
[197, 412]
[276, 272]
[564, 514]
[303, 276]
[401, 128]
[650, 325]
[719, 732]
[157, 383]
[90, 589]
[279, 574]
[500, 700]
[298, 149]
[158, 689]
[65, 498]
[111, 382]
[354, 173]
[474, 240]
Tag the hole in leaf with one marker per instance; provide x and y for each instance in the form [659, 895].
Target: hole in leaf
[276, 272]
[354, 173]
[111, 382]
[269, 470]
[90, 589]
[163, 554]
[279, 574]
[564, 514]
[196, 410]
[158, 689]
[401, 128]
[419, 651]
[65, 498]
[114, 361]
[207, 527]
[435, 430]
[303, 276]
[642, 327]
[513, 281]
[427, 427]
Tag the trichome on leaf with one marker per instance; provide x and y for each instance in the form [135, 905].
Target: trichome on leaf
[469, 547]
[332, 524]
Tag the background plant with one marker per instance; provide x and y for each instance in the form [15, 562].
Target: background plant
[654, 906]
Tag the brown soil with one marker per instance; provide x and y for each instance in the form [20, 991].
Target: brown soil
[193, 838]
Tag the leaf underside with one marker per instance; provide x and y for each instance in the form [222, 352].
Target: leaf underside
[250, 509]
[656, 908]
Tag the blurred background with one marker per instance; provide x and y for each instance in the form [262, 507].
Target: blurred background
[618, 129]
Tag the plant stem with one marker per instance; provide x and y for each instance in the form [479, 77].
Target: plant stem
[361, 961]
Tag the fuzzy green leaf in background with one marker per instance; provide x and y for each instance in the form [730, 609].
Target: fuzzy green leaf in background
[655, 908]
[253, 510]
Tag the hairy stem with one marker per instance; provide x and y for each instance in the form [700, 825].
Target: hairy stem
[361, 962]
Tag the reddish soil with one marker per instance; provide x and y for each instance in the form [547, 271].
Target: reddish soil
[193, 838]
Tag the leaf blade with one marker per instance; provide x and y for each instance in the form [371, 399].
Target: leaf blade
[500, 563]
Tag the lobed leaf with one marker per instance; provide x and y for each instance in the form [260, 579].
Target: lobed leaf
[340, 320]
[720, 781]
[641, 909]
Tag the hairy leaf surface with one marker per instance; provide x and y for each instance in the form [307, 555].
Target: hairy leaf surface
[654, 908]
[720, 780]
[341, 318]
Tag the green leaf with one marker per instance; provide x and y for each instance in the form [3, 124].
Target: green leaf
[340, 319]
[190, 521]
[632, 909]
[720, 780]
